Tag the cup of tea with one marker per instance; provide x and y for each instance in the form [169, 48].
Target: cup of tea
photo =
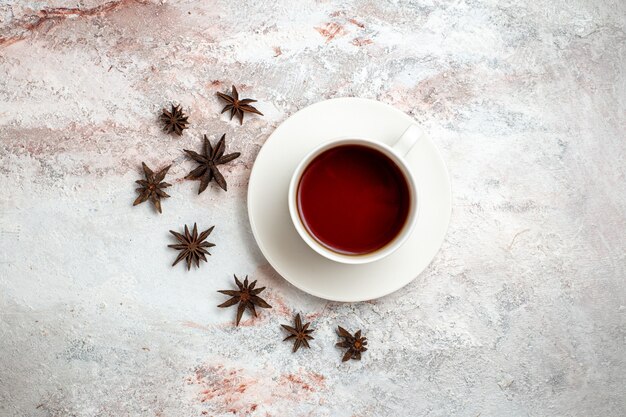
[355, 200]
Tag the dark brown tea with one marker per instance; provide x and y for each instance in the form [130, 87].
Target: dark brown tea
[353, 199]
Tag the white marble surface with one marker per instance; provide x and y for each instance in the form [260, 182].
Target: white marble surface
[522, 313]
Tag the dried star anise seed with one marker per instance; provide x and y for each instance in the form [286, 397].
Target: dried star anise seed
[211, 158]
[236, 106]
[355, 344]
[300, 333]
[174, 121]
[192, 246]
[152, 187]
[247, 297]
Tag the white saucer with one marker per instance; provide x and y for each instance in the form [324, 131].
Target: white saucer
[269, 213]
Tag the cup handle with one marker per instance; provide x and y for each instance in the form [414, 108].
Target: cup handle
[408, 139]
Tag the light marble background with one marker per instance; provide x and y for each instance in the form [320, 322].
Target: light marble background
[522, 313]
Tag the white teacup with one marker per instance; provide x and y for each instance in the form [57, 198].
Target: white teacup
[396, 154]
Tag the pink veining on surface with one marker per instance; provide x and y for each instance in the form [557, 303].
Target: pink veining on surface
[314, 315]
[239, 391]
[356, 23]
[331, 30]
[361, 41]
[194, 325]
[444, 92]
[279, 306]
[57, 15]
[309, 382]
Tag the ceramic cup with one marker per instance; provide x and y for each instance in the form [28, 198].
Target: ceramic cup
[396, 153]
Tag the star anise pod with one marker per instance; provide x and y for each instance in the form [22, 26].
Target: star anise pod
[152, 187]
[192, 246]
[212, 157]
[247, 297]
[174, 121]
[300, 333]
[236, 106]
[355, 344]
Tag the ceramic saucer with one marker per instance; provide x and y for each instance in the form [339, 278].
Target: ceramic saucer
[276, 235]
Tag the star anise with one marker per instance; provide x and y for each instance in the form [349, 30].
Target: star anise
[236, 106]
[212, 157]
[174, 121]
[355, 344]
[152, 187]
[247, 296]
[300, 333]
[192, 246]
